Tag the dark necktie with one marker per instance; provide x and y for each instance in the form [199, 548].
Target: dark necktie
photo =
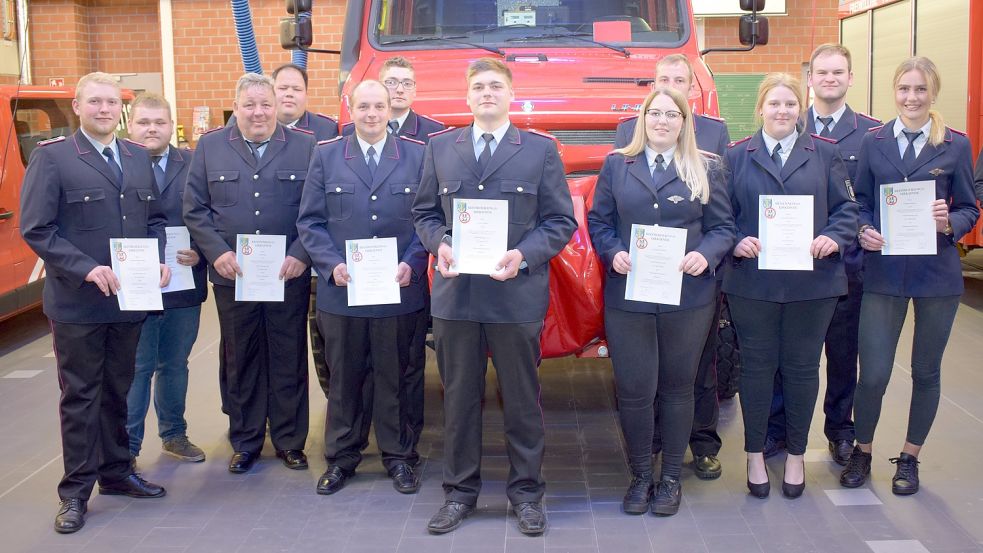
[371, 161]
[393, 126]
[776, 156]
[254, 148]
[158, 172]
[486, 154]
[826, 121]
[659, 170]
[114, 167]
[909, 152]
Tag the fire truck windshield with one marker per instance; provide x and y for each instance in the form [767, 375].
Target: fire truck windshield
[487, 24]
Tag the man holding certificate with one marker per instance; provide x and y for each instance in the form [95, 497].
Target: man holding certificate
[355, 222]
[661, 222]
[466, 171]
[81, 193]
[240, 206]
[794, 213]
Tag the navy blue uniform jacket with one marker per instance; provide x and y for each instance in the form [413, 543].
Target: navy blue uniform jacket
[171, 200]
[343, 201]
[848, 133]
[71, 205]
[950, 165]
[525, 170]
[323, 127]
[415, 126]
[711, 134]
[228, 193]
[626, 195]
[814, 168]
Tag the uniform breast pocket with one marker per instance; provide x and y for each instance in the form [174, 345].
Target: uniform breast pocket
[145, 196]
[403, 195]
[223, 187]
[87, 207]
[291, 186]
[447, 190]
[523, 200]
[339, 198]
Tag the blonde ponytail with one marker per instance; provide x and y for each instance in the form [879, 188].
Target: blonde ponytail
[937, 134]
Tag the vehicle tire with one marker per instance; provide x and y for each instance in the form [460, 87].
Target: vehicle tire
[728, 361]
[317, 341]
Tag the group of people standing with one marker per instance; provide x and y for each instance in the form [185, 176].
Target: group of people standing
[278, 169]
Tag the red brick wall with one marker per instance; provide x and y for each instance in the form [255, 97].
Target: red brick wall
[808, 24]
[124, 36]
[59, 40]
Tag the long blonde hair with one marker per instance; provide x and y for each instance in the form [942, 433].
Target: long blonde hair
[691, 163]
[931, 74]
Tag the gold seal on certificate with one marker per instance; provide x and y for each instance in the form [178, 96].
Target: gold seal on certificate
[136, 263]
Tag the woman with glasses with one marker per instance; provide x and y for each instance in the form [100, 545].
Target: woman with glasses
[659, 178]
[783, 288]
[916, 146]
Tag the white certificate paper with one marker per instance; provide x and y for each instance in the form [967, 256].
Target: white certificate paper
[372, 264]
[136, 263]
[181, 276]
[480, 235]
[907, 224]
[656, 253]
[785, 230]
[260, 257]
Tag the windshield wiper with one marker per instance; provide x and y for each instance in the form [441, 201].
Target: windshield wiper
[454, 38]
[577, 36]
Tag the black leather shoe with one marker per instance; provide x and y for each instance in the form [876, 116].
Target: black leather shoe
[532, 518]
[707, 467]
[857, 468]
[840, 451]
[293, 458]
[773, 446]
[905, 481]
[792, 491]
[71, 515]
[333, 480]
[668, 495]
[404, 479]
[449, 517]
[133, 486]
[639, 494]
[760, 491]
[242, 461]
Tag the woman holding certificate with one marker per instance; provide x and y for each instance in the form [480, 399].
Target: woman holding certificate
[794, 211]
[661, 222]
[915, 188]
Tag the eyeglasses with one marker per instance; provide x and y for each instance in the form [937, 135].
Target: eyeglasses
[668, 115]
[408, 84]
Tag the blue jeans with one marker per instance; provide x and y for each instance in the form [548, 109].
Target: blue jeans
[165, 344]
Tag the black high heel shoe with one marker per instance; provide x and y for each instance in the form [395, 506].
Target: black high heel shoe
[793, 491]
[760, 491]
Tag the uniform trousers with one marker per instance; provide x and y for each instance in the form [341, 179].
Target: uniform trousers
[95, 369]
[881, 319]
[462, 358]
[786, 338]
[266, 367]
[350, 345]
[656, 354]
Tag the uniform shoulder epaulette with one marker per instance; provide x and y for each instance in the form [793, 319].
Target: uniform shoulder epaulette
[627, 118]
[428, 118]
[544, 134]
[348, 124]
[328, 117]
[867, 117]
[211, 130]
[51, 140]
[741, 141]
[712, 118]
[330, 140]
[874, 129]
[128, 141]
[824, 138]
[962, 133]
[438, 133]
[305, 131]
[413, 140]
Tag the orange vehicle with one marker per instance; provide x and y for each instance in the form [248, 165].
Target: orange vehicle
[28, 115]
[579, 67]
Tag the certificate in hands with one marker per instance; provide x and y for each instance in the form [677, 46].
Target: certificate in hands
[181, 276]
[907, 224]
[480, 235]
[372, 264]
[785, 230]
[136, 263]
[656, 253]
[260, 257]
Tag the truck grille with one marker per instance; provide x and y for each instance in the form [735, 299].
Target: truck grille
[584, 137]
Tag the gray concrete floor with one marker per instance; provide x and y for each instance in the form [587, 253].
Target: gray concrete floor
[275, 509]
